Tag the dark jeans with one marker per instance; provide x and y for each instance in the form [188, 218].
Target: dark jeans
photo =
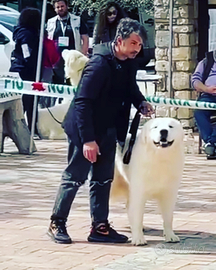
[77, 171]
[202, 117]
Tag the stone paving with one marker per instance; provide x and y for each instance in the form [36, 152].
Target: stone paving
[28, 185]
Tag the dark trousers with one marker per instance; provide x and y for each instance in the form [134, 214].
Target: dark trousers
[202, 118]
[101, 175]
[58, 72]
[28, 105]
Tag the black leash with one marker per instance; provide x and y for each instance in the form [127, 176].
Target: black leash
[53, 116]
[133, 131]
[44, 104]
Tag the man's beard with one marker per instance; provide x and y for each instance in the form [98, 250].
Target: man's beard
[63, 14]
[133, 54]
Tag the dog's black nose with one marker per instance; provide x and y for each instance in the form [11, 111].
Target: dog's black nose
[164, 133]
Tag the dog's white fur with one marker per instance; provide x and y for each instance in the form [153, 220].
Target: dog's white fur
[75, 62]
[48, 128]
[154, 172]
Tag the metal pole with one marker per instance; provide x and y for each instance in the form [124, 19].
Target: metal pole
[38, 71]
[170, 48]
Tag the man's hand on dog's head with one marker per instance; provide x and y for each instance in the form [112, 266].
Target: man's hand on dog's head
[146, 109]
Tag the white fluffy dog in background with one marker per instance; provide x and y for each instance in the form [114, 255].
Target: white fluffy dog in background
[47, 126]
[154, 172]
[75, 62]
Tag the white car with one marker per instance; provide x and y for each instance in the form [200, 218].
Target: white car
[6, 47]
[8, 9]
[8, 19]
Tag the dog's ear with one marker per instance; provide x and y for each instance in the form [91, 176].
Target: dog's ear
[179, 127]
[65, 53]
[182, 133]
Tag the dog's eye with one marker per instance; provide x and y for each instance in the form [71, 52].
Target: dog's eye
[170, 126]
[155, 126]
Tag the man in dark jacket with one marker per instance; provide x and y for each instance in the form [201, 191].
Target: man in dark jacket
[97, 117]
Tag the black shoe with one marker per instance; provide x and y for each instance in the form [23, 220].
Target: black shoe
[104, 233]
[211, 157]
[58, 232]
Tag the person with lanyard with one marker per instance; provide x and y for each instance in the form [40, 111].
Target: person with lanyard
[69, 32]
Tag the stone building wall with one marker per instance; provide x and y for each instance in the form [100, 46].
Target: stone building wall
[184, 54]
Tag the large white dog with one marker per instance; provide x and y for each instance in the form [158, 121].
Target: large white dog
[154, 172]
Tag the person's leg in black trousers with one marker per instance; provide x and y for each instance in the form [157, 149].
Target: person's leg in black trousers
[72, 178]
[28, 106]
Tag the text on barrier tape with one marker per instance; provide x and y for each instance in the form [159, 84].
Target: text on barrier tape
[66, 91]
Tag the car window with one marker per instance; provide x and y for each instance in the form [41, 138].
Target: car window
[3, 39]
[8, 9]
[8, 18]
[8, 25]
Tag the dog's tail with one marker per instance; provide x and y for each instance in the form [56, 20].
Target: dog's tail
[119, 188]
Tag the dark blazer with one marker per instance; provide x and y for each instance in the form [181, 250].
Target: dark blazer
[26, 67]
[103, 99]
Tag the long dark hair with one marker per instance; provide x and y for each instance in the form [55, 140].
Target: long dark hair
[101, 19]
[30, 18]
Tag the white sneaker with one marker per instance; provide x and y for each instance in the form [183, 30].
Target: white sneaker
[210, 149]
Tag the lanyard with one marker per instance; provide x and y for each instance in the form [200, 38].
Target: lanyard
[63, 26]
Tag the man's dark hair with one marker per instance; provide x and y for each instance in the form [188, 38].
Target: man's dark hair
[30, 18]
[56, 1]
[128, 26]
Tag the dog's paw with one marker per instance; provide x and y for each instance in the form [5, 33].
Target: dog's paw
[171, 237]
[138, 240]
